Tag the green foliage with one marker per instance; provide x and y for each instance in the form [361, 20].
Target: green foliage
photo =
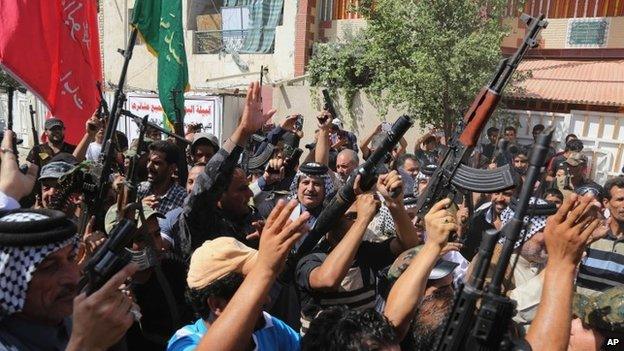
[429, 58]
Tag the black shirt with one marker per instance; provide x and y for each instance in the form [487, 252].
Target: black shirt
[42, 154]
[358, 290]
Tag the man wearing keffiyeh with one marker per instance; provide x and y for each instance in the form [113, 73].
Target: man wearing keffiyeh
[311, 186]
[39, 280]
[528, 279]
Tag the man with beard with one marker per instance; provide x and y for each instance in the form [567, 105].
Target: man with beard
[169, 226]
[342, 268]
[53, 196]
[218, 204]
[602, 267]
[40, 277]
[158, 285]
[436, 303]
[161, 191]
[55, 132]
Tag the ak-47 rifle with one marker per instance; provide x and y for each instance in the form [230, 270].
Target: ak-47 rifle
[102, 172]
[32, 125]
[113, 256]
[345, 196]
[488, 329]
[453, 176]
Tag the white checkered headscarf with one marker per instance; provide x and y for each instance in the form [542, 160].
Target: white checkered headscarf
[17, 265]
[327, 179]
[533, 224]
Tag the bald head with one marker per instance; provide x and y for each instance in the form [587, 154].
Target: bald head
[346, 161]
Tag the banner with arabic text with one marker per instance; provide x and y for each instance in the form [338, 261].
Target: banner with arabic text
[52, 48]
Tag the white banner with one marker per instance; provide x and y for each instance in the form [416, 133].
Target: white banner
[205, 110]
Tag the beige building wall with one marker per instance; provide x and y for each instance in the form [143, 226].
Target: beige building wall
[202, 67]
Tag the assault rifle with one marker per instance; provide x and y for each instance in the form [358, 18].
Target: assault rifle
[113, 256]
[453, 176]
[345, 196]
[487, 329]
[32, 125]
[107, 156]
[328, 105]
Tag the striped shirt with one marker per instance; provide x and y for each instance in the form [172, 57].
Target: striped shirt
[602, 267]
[358, 289]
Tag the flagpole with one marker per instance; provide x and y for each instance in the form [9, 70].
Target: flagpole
[107, 155]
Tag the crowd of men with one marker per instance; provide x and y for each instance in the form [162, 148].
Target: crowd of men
[217, 261]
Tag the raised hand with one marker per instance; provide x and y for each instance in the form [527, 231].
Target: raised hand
[14, 183]
[440, 223]
[279, 235]
[253, 116]
[390, 186]
[366, 206]
[567, 231]
[101, 319]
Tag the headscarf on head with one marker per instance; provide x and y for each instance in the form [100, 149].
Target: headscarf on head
[17, 265]
[327, 180]
[27, 237]
[533, 224]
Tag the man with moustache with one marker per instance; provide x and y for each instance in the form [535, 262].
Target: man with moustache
[488, 216]
[55, 132]
[40, 304]
[161, 191]
[602, 267]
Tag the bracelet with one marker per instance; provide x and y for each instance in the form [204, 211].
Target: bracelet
[5, 150]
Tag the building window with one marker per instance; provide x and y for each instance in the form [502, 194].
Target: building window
[234, 25]
[587, 32]
[326, 10]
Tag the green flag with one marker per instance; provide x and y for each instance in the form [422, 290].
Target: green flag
[160, 24]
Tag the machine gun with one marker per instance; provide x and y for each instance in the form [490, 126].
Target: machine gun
[488, 329]
[453, 176]
[346, 196]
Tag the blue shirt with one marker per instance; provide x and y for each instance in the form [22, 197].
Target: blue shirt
[275, 335]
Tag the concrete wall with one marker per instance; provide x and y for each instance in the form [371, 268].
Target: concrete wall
[142, 69]
[307, 101]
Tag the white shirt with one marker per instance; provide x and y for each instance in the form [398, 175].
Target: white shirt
[93, 151]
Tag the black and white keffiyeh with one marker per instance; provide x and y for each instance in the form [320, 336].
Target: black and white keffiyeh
[533, 224]
[18, 264]
[327, 180]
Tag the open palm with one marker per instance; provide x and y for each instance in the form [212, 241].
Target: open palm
[253, 116]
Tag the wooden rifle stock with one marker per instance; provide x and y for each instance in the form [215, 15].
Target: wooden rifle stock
[477, 116]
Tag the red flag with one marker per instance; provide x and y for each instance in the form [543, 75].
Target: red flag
[53, 48]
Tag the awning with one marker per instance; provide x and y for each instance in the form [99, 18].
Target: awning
[596, 82]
